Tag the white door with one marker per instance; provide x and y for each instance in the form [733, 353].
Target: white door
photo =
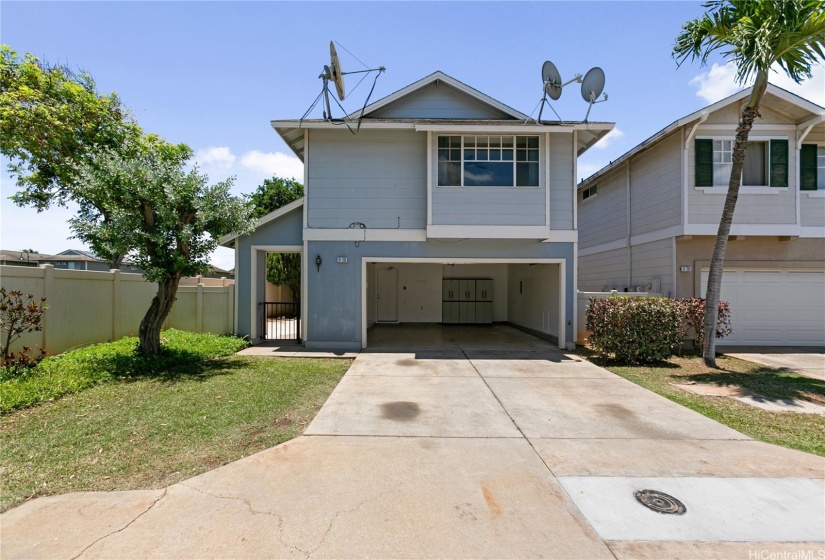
[387, 295]
[774, 307]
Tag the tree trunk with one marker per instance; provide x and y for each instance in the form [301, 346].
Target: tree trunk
[153, 320]
[717, 261]
[115, 260]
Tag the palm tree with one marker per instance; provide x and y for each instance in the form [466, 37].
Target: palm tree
[755, 35]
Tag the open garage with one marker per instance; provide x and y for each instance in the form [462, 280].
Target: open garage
[525, 294]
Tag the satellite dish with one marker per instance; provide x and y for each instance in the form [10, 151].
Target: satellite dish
[552, 80]
[336, 74]
[593, 84]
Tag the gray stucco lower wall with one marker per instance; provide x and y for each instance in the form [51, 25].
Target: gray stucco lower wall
[333, 306]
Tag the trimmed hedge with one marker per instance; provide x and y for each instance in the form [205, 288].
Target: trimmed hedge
[634, 329]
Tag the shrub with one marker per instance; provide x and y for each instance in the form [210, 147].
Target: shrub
[693, 316]
[634, 330]
[183, 355]
[19, 314]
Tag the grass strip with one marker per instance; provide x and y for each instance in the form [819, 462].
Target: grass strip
[805, 432]
[149, 431]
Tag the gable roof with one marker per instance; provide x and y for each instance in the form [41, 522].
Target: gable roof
[436, 77]
[804, 108]
[274, 215]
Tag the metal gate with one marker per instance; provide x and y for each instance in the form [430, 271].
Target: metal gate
[280, 320]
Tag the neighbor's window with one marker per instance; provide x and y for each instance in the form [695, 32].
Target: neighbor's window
[488, 161]
[590, 192]
[755, 172]
[812, 167]
[820, 167]
[766, 163]
[722, 161]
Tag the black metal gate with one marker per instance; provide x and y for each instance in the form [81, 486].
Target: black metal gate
[280, 320]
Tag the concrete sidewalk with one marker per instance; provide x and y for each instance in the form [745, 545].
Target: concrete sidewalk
[466, 452]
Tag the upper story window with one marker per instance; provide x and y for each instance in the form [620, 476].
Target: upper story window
[488, 161]
[766, 163]
[590, 192]
[812, 167]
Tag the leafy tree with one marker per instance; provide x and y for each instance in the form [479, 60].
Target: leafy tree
[755, 35]
[169, 215]
[51, 119]
[283, 269]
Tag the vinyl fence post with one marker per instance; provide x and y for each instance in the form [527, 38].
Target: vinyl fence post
[116, 297]
[199, 306]
[48, 290]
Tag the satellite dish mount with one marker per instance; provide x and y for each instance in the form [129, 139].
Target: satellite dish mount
[335, 74]
[552, 85]
[592, 88]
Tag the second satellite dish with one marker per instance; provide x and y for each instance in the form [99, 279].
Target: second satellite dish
[593, 84]
[337, 74]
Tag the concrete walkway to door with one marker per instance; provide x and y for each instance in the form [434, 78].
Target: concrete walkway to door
[488, 443]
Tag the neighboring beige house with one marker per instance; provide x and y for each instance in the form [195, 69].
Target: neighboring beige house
[648, 220]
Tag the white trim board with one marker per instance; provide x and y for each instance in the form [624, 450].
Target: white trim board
[488, 232]
[253, 281]
[562, 338]
[274, 215]
[368, 234]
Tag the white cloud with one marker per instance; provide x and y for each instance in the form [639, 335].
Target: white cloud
[717, 83]
[609, 139]
[218, 157]
[274, 163]
[812, 90]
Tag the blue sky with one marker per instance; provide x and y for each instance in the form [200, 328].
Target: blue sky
[213, 74]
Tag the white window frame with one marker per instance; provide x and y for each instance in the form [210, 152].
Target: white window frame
[747, 189]
[515, 161]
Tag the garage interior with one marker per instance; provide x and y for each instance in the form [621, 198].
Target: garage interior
[526, 296]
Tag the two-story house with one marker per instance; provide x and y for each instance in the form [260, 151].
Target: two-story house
[446, 206]
[648, 220]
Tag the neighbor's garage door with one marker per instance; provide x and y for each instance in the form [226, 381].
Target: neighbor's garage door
[774, 307]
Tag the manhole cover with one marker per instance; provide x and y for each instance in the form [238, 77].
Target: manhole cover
[660, 502]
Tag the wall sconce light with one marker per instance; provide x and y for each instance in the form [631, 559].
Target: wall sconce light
[318, 261]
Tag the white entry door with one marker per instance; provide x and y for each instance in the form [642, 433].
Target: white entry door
[387, 295]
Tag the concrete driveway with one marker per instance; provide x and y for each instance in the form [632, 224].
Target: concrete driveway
[463, 448]
[802, 360]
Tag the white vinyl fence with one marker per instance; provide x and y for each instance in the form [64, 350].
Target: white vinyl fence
[581, 308]
[86, 307]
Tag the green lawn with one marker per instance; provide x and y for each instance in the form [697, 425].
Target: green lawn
[805, 432]
[157, 426]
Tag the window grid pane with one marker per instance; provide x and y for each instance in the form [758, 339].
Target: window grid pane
[488, 161]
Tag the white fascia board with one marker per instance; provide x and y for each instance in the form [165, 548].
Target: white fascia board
[347, 234]
[274, 215]
[757, 230]
[514, 128]
[339, 124]
[488, 232]
[440, 76]
[562, 236]
[811, 231]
